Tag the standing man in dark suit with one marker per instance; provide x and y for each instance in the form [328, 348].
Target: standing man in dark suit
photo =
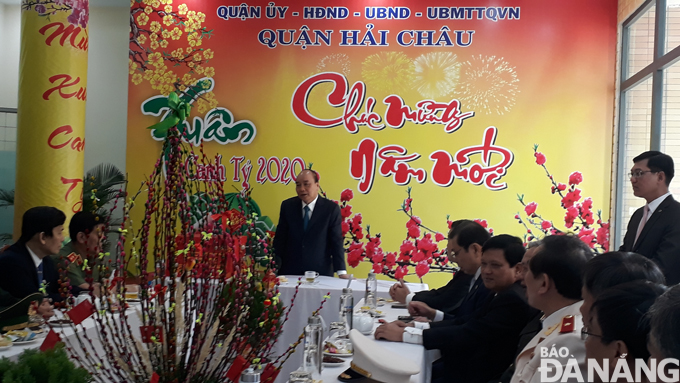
[26, 267]
[654, 229]
[308, 236]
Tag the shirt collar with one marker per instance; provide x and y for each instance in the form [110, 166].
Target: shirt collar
[477, 274]
[311, 204]
[655, 204]
[554, 318]
[34, 257]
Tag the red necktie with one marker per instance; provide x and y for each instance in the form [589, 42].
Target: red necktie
[642, 223]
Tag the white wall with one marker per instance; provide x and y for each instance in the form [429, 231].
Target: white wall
[106, 116]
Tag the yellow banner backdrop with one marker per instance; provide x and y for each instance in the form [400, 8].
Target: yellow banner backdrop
[385, 95]
[51, 118]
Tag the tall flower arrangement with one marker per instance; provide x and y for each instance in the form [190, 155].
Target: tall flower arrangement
[209, 301]
[418, 254]
[579, 217]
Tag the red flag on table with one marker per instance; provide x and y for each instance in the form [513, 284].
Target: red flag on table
[81, 312]
[269, 374]
[50, 341]
[154, 378]
[240, 364]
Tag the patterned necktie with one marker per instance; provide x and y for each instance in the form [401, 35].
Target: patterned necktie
[642, 224]
[40, 274]
[305, 218]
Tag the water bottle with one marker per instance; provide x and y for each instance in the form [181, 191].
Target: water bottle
[313, 354]
[347, 308]
[371, 291]
[250, 376]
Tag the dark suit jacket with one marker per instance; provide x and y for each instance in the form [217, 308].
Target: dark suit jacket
[19, 277]
[317, 249]
[525, 336]
[447, 298]
[660, 238]
[484, 346]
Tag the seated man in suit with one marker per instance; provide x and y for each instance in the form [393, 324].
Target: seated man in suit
[466, 250]
[611, 269]
[309, 236]
[86, 231]
[448, 298]
[654, 229]
[664, 336]
[553, 283]
[25, 267]
[482, 347]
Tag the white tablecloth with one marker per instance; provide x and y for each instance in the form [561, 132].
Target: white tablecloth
[308, 299]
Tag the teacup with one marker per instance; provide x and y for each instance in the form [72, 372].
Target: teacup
[363, 322]
[310, 276]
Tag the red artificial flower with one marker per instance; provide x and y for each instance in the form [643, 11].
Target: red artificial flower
[530, 209]
[401, 272]
[418, 256]
[540, 158]
[344, 227]
[575, 178]
[355, 253]
[391, 259]
[586, 235]
[406, 247]
[407, 204]
[413, 222]
[449, 224]
[587, 204]
[346, 211]
[377, 268]
[571, 198]
[482, 222]
[425, 244]
[545, 225]
[346, 195]
[414, 232]
[561, 187]
[443, 260]
[422, 268]
[377, 256]
[572, 214]
[439, 237]
[602, 236]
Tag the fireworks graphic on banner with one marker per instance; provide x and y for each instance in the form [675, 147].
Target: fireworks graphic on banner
[488, 85]
[338, 62]
[436, 74]
[388, 71]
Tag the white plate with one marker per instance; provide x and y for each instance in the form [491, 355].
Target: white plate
[325, 364]
[339, 355]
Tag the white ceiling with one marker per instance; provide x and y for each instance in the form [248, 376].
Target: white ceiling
[93, 3]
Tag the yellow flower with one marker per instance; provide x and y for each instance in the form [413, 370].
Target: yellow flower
[168, 8]
[148, 74]
[147, 2]
[200, 16]
[192, 43]
[132, 67]
[155, 26]
[166, 34]
[199, 42]
[198, 69]
[154, 45]
[169, 1]
[137, 78]
[178, 53]
[183, 9]
[190, 64]
[164, 44]
[148, 10]
[209, 72]
[208, 54]
[191, 14]
[197, 56]
[168, 20]
[176, 33]
[156, 3]
[142, 19]
[141, 39]
[187, 79]
[153, 37]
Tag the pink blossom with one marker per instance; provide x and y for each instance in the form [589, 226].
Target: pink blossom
[406, 247]
[545, 225]
[418, 256]
[391, 259]
[346, 195]
[572, 214]
[401, 272]
[482, 222]
[422, 268]
[414, 232]
[377, 268]
[575, 178]
[540, 158]
[530, 209]
[346, 211]
[344, 226]
[439, 237]
[413, 222]
[571, 198]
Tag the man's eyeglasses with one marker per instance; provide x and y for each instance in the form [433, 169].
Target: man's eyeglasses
[639, 173]
[585, 334]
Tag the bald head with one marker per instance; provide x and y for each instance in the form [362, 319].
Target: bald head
[307, 185]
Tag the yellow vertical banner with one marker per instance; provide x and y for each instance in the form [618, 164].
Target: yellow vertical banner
[51, 113]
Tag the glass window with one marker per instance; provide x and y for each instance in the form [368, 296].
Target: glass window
[672, 25]
[641, 42]
[670, 123]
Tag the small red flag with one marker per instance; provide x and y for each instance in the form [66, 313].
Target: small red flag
[269, 374]
[240, 364]
[81, 312]
[50, 341]
[154, 378]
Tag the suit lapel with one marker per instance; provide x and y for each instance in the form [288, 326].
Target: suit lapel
[318, 212]
[29, 263]
[652, 220]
